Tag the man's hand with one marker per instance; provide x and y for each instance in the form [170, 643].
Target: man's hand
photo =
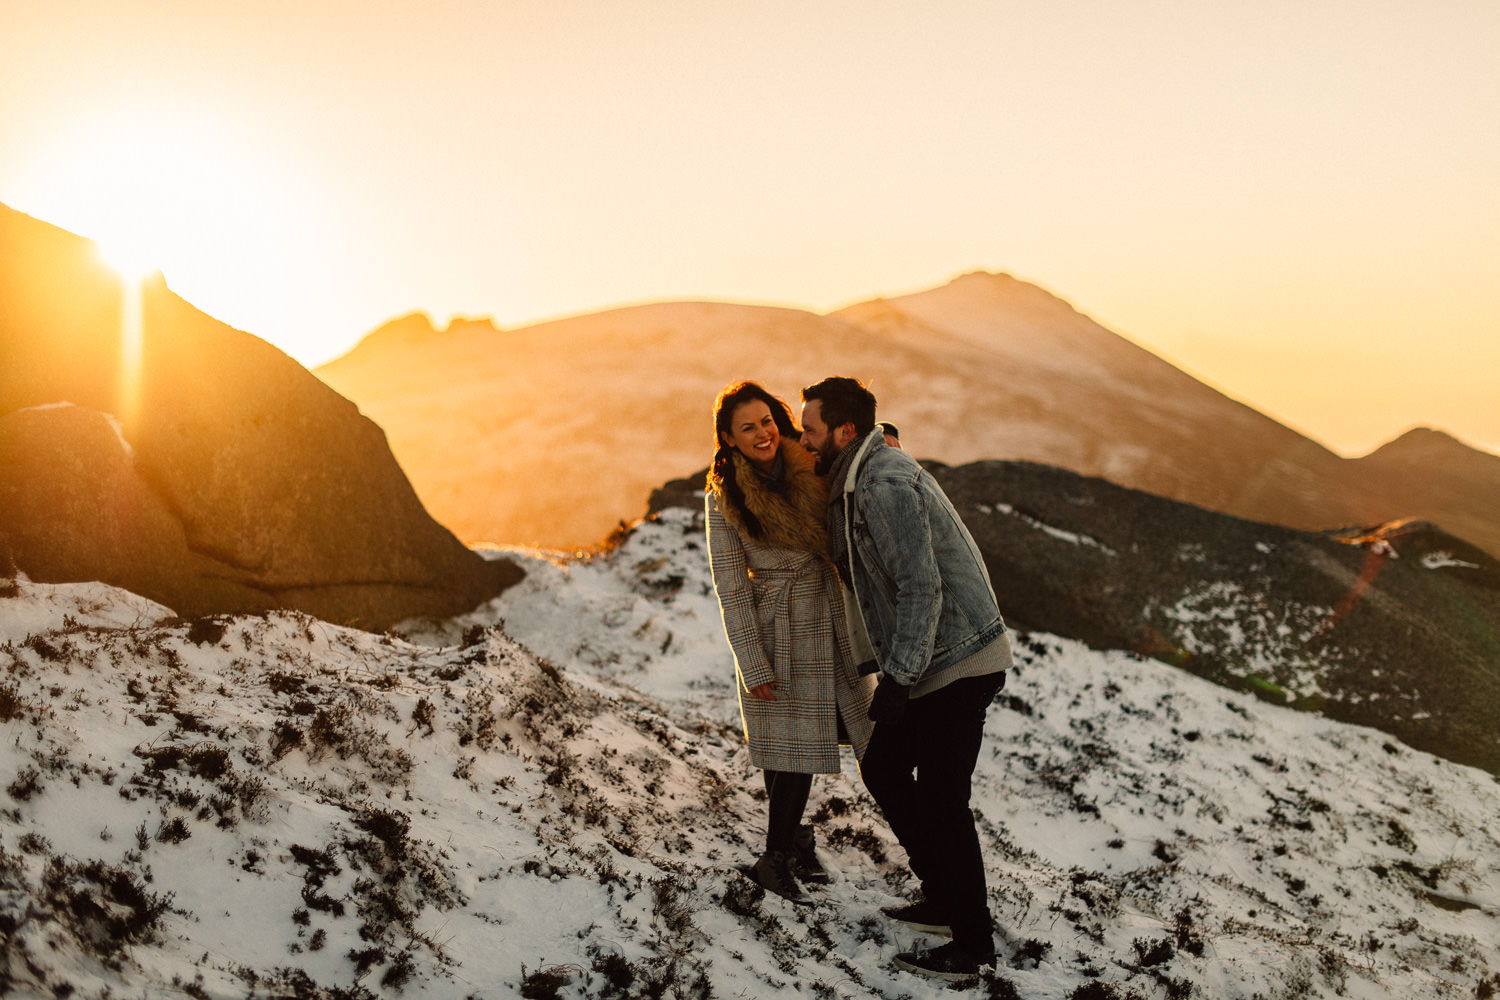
[889, 704]
[764, 692]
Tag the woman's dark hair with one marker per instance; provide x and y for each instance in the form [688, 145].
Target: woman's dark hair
[731, 398]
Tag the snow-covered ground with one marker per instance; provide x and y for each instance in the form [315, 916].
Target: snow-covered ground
[548, 797]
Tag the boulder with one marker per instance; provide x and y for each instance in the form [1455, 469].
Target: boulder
[687, 492]
[73, 507]
[226, 477]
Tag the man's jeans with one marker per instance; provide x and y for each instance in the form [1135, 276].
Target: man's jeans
[928, 811]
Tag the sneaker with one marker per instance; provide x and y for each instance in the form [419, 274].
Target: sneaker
[922, 916]
[773, 872]
[805, 861]
[948, 962]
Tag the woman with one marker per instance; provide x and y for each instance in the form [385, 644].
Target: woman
[782, 604]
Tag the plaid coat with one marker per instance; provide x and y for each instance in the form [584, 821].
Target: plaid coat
[783, 610]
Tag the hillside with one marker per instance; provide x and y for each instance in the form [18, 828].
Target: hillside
[550, 434]
[1437, 473]
[1051, 385]
[1396, 627]
[546, 798]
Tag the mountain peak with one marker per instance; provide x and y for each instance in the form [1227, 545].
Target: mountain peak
[416, 329]
[413, 328]
[1001, 283]
[986, 277]
[463, 326]
[1424, 443]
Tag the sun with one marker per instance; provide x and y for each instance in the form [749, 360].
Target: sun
[169, 188]
[133, 259]
[151, 191]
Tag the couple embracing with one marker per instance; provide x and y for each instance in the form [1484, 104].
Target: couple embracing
[836, 558]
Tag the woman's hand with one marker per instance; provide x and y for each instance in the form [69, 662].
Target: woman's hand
[765, 692]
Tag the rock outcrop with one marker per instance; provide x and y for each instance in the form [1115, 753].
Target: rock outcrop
[1393, 626]
[214, 475]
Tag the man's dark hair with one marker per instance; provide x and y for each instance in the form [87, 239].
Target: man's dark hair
[843, 400]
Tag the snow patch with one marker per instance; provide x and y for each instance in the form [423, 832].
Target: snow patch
[1442, 560]
[1257, 637]
[1058, 533]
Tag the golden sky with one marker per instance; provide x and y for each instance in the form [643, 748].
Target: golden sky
[1297, 201]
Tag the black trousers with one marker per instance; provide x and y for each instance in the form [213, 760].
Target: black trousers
[920, 772]
[788, 791]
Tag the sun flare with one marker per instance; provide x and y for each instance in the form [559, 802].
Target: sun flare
[132, 342]
[164, 190]
[172, 189]
[134, 260]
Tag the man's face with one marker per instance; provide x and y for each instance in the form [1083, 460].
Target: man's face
[819, 438]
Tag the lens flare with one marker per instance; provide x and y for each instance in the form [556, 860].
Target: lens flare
[133, 259]
[134, 270]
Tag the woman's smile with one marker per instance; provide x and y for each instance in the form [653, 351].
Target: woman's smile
[754, 432]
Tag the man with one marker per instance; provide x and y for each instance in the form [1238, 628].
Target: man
[921, 590]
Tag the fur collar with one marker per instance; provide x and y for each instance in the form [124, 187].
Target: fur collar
[795, 522]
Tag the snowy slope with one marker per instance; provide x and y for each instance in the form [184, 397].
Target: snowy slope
[546, 798]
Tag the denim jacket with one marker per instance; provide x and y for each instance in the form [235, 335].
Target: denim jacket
[919, 580]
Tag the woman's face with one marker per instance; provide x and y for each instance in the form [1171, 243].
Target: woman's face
[752, 429]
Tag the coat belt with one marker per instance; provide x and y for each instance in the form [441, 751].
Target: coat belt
[777, 574]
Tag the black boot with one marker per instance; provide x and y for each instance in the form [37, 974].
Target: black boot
[806, 864]
[773, 872]
[948, 962]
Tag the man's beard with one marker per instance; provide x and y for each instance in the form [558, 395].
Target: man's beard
[827, 455]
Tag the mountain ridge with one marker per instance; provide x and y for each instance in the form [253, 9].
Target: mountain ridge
[986, 366]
